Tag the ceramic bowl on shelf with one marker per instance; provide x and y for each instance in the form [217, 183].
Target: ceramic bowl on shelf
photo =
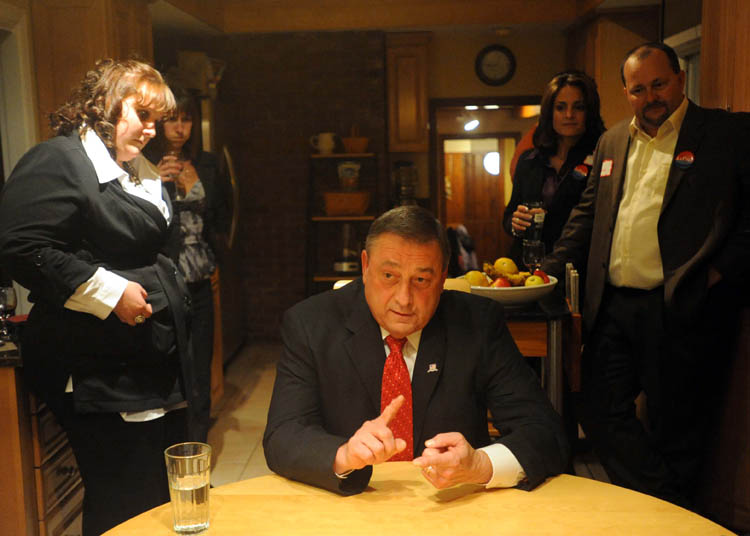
[355, 144]
[516, 295]
[346, 203]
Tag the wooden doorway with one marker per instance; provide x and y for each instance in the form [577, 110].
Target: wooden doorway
[470, 178]
[474, 188]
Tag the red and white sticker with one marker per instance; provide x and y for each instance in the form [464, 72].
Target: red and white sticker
[606, 170]
[684, 160]
[581, 171]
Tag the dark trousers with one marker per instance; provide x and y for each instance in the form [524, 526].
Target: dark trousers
[632, 349]
[121, 463]
[202, 335]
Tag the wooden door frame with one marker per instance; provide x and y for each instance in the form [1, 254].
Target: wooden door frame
[441, 165]
[437, 193]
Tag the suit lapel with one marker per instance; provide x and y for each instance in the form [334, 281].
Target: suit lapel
[365, 347]
[143, 205]
[618, 172]
[116, 188]
[689, 140]
[427, 371]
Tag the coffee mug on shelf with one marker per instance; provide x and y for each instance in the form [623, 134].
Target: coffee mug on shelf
[324, 142]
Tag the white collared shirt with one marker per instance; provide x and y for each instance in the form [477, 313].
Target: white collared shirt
[635, 257]
[506, 471]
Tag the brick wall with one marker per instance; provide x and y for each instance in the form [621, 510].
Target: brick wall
[277, 91]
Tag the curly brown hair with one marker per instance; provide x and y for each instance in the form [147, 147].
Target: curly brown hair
[97, 101]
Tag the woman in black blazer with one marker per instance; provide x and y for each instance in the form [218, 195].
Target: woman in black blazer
[554, 172]
[84, 225]
[191, 177]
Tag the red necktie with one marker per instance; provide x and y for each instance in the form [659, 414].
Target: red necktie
[396, 382]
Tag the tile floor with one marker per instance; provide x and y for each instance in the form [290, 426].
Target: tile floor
[236, 434]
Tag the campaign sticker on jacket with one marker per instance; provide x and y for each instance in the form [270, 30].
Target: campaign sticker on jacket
[684, 160]
[606, 170]
[580, 172]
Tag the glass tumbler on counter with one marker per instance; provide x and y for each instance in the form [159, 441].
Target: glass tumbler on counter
[189, 475]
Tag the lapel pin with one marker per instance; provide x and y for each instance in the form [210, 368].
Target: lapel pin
[684, 160]
[606, 170]
[432, 368]
[581, 171]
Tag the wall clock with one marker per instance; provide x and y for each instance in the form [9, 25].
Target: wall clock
[495, 65]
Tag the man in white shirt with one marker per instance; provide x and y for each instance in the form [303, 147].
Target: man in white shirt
[663, 231]
[334, 411]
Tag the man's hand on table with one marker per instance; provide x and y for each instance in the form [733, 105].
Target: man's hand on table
[373, 443]
[449, 459]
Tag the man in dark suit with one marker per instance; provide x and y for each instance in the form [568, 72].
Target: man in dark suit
[663, 228]
[332, 412]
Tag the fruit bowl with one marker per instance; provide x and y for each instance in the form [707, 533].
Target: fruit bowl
[516, 295]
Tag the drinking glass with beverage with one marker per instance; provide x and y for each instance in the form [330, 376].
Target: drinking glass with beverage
[533, 254]
[534, 231]
[8, 301]
[172, 158]
[189, 474]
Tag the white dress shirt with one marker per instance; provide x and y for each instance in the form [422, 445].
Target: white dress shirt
[506, 471]
[635, 257]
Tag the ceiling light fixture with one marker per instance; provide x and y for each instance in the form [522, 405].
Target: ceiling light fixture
[471, 124]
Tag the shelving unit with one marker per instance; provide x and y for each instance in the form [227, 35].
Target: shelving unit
[325, 231]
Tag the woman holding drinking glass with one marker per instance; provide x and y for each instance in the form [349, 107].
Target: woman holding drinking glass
[550, 178]
[191, 177]
[84, 225]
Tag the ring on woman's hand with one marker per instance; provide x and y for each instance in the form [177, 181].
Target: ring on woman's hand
[139, 319]
[429, 470]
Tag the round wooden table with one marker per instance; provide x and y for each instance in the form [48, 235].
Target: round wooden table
[400, 501]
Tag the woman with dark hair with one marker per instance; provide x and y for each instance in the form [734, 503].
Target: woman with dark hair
[191, 178]
[553, 174]
[84, 226]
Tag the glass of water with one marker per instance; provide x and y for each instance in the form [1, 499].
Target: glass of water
[189, 474]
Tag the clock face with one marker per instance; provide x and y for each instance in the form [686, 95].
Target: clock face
[495, 65]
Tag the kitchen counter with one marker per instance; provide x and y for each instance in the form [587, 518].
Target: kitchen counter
[10, 356]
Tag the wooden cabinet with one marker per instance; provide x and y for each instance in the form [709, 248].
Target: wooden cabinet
[70, 35]
[598, 45]
[725, 70]
[338, 218]
[406, 64]
[41, 492]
